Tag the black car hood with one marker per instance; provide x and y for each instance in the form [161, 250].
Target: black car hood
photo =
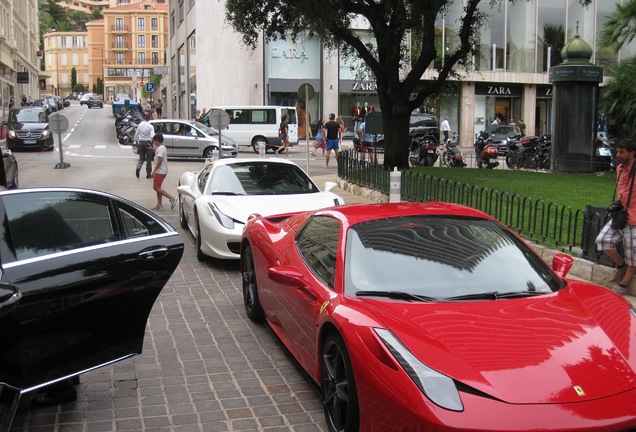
[28, 126]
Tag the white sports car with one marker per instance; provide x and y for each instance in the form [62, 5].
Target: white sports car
[214, 203]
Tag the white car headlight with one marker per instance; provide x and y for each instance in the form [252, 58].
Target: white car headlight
[11, 134]
[46, 133]
[223, 219]
[439, 388]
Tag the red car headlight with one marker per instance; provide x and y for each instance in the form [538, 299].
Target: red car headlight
[439, 388]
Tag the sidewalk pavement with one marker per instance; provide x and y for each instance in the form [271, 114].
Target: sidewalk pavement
[582, 269]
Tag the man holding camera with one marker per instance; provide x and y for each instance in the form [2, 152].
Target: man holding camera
[143, 137]
[612, 233]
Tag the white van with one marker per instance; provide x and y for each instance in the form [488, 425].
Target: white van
[258, 125]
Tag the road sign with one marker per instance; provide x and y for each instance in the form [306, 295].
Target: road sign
[150, 87]
[58, 123]
[160, 70]
[306, 92]
[219, 119]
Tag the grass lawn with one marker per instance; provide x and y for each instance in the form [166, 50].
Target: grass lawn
[573, 190]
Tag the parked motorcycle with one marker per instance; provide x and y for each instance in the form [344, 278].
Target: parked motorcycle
[485, 152]
[529, 152]
[423, 151]
[452, 157]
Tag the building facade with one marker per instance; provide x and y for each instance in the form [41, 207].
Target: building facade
[19, 35]
[64, 52]
[209, 65]
[126, 45]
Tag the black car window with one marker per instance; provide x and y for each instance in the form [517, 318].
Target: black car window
[317, 243]
[137, 223]
[47, 222]
[203, 178]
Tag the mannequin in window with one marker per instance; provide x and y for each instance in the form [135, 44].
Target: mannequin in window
[364, 110]
[355, 113]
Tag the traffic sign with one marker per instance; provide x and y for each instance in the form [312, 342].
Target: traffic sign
[58, 123]
[150, 87]
[219, 119]
[306, 92]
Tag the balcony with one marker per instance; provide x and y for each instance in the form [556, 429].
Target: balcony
[120, 45]
[119, 28]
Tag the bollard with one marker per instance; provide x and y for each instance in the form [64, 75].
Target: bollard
[395, 189]
[262, 149]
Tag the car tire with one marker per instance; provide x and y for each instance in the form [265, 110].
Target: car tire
[200, 254]
[252, 304]
[337, 386]
[208, 153]
[257, 142]
[182, 219]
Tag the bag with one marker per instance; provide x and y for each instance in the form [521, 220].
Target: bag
[619, 215]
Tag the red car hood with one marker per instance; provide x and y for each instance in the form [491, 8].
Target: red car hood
[575, 345]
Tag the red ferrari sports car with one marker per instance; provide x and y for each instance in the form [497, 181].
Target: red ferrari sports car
[437, 317]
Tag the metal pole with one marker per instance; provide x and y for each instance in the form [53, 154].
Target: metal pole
[307, 125]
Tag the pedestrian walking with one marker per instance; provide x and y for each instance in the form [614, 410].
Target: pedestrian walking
[143, 138]
[160, 172]
[446, 129]
[623, 208]
[333, 129]
[159, 107]
[283, 133]
[320, 138]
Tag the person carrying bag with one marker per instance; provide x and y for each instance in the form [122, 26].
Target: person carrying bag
[622, 225]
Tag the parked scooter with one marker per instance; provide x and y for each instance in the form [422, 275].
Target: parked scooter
[452, 157]
[423, 151]
[485, 152]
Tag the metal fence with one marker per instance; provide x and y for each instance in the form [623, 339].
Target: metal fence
[547, 223]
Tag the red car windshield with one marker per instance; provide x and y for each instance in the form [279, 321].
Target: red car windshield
[442, 257]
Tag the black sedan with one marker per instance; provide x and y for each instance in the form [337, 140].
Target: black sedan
[28, 128]
[80, 272]
[95, 101]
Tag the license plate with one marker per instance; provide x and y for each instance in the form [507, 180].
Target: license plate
[431, 151]
[30, 141]
[492, 160]
[603, 151]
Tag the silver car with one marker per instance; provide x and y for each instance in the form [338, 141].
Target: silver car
[184, 138]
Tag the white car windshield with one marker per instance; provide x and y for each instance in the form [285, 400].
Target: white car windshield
[442, 258]
[260, 178]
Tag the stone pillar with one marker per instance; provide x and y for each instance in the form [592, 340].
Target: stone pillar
[574, 110]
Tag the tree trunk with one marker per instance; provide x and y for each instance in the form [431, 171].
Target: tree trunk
[395, 124]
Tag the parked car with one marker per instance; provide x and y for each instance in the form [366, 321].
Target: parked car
[421, 125]
[197, 141]
[28, 128]
[44, 104]
[214, 203]
[52, 103]
[85, 97]
[67, 101]
[58, 102]
[81, 270]
[95, 101]
[413, 316]
[499, 135]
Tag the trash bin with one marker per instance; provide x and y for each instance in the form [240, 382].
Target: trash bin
[594, 220]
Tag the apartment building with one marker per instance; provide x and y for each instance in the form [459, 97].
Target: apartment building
[64, 52]
[19, 33]
[126, 45]
[519, 43]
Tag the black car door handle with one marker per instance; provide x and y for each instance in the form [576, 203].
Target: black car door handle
[154, 253]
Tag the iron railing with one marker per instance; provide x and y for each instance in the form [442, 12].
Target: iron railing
[546, 223]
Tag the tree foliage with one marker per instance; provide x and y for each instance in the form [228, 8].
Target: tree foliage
[397, 68]
[618, 97]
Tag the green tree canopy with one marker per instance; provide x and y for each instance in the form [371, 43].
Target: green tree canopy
[618, 97]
